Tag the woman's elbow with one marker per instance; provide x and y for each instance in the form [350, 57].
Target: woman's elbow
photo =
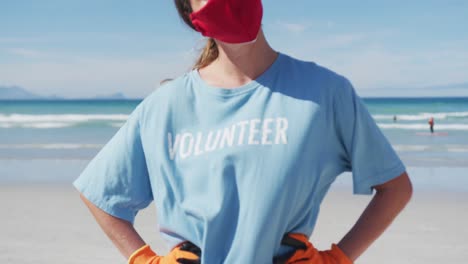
[407, 188]
[400, 188]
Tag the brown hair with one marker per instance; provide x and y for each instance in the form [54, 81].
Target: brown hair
[210, 51]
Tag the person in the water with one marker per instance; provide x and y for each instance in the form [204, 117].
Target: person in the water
[431, 124]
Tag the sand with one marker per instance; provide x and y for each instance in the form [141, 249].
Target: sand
[49, 224]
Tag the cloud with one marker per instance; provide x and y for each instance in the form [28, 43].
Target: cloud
[382, 68]
[376, 60]
[292, 27]
[88, 76]
[109, 66]
[28, 53]
[18, 40]
[449, 86]
[386, 70]
[337, 40]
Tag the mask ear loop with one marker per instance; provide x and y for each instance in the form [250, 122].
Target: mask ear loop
[241, 44]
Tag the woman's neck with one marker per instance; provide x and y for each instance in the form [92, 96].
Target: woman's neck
[238, 64]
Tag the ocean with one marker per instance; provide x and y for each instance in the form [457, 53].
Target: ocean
[65, 135]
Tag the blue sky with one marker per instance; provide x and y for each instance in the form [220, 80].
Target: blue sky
[90, 47]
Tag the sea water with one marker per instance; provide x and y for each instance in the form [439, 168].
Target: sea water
[410, 133]
[56, 139]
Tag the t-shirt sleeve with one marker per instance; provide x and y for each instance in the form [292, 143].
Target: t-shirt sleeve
[117, 179]
[365, 151]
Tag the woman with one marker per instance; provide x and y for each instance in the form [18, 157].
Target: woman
[239, 153]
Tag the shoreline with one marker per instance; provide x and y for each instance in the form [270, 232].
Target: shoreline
[17, 172]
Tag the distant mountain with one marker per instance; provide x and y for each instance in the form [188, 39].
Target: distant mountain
[446, 90]
[449, 86]
[17, 93]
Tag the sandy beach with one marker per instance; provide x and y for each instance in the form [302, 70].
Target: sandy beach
[235, 116]
[48, 224]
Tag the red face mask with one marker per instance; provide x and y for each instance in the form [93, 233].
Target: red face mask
[230, 21]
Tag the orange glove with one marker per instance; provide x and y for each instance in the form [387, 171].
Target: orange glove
[306, 253]
[186, 253]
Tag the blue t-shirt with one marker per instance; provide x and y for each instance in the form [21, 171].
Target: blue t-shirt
[233, 170]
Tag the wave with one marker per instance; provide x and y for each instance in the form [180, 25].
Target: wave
[411, 147]
[51, 146]
[36, 125]
[438, 127]
[427, 148]
[72, 146]
[118, 124]
[51, 121]
[423, 116]
[60, 120]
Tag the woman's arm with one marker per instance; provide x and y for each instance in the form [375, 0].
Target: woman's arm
[388, 202]
[121, 232]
